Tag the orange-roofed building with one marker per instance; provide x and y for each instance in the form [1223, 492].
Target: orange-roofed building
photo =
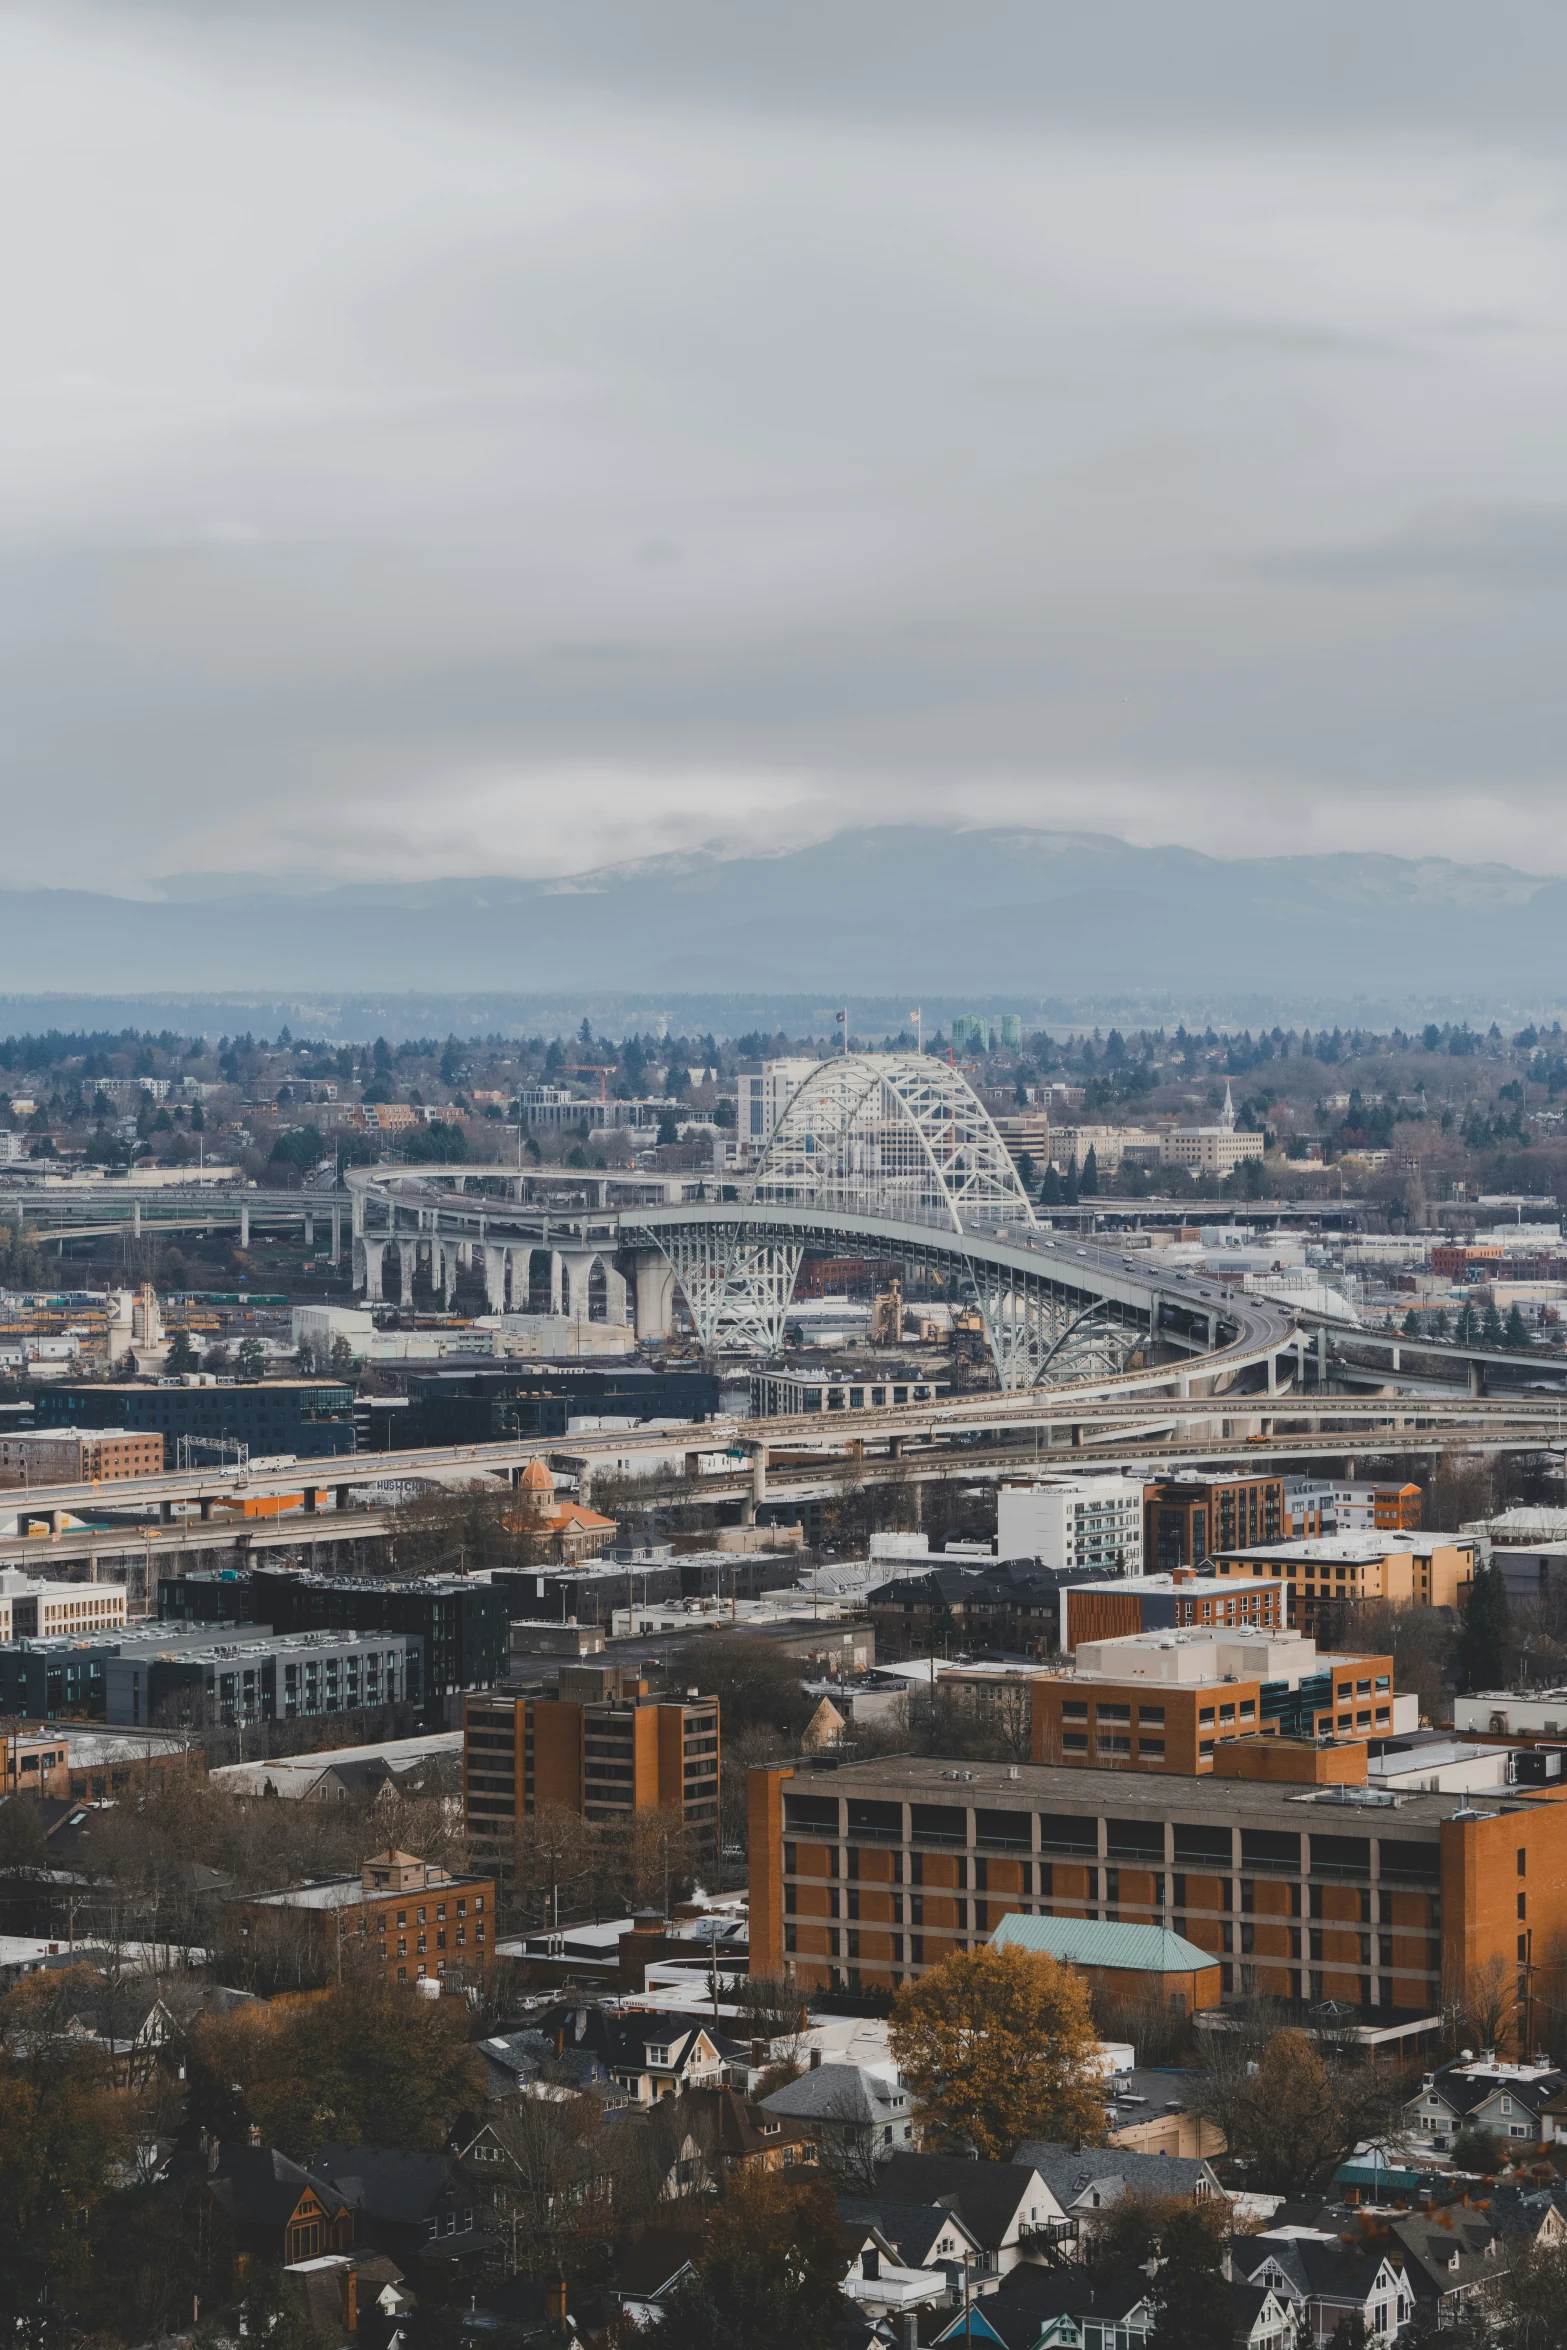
[565, 1530]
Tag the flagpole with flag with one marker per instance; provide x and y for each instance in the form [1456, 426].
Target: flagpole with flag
[843, 1023]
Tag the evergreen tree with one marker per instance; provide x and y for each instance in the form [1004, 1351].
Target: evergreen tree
[1465, 1332]
[1025, 1169]
[1089, 1186]
[1481, 1656]
[1439, 1323]
[1051, 1191]
[1190, 2298]
[181, 1356]
[1491, 1327]
[1516, 1334]
[1411, 1324]
[1071, 1182]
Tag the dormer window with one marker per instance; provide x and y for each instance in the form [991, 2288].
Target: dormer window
[658, 2056]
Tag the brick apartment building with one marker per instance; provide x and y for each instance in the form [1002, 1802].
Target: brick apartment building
[1344, 1570]
[413, 1920]
[1168, 1701]
[78, 1456]
[37, 1608]
[1303, 1890]
[1166, 1603]
[601, 1746]
[1187, 1519]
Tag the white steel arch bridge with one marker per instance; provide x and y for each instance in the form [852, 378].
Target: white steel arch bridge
[889, 1155]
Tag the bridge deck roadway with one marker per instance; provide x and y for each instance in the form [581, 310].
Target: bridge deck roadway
[1352, 1420]
[80, 1545]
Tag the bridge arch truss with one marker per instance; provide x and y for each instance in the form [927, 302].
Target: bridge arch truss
[899, 1135]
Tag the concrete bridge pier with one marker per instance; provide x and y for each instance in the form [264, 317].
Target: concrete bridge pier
[407, 1253]
[337, 1233]
[375, 1263]
[494, 1278]
[310, 1232]
[654, 1280]
[244, 1225]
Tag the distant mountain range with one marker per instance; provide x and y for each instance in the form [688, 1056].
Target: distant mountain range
[1058, 925]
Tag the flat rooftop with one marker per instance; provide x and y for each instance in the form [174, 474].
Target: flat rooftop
[1389, 1543]
[1085, 1792]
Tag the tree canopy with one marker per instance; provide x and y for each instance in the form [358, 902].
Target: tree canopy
[999, 2045]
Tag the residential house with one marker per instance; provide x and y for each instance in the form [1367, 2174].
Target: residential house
[648, 2053]
[278, 2210]
[705, 2133]
[1322, 2279]
[1454, 2260]
[1085, 2179]
[1520, 2104]
[1069, 2308]
[360, 2294]
[918, 2249]
[1006, 2206]
[859, 2117]
[406, 2204]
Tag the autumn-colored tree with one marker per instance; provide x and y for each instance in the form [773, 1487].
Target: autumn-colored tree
[998, 2045]
[367, 2063]
[62, 2133]
[1290, 2123]
[769, 2270]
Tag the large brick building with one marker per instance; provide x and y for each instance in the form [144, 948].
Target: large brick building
[401, 1914]
[1187, 1519]
[1168, 1701]
[866, 1874]
[1344, 1570]
[600, 1746]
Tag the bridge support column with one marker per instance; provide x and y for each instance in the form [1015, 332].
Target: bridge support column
[557, 1282]
[337, 1232]
[494, 1278]
[166, 1513]
[310, 1232]
[448, 1274]
[1398, 1358]
[356, 1209]
[1273, 1374]
[1477, 1378]
[206, 1509]
[375, 1257]
[136, 1219]
[1322, 1357]
[655, 1295]
[407, 1256]
[244, 1226]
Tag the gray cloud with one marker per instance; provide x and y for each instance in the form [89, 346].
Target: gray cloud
[516, 438]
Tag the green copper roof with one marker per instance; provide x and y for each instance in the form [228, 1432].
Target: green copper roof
[1098, 1942]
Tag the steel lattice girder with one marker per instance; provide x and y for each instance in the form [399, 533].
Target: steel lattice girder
[894, 1134]
[1038, 1336]
[738, 1288]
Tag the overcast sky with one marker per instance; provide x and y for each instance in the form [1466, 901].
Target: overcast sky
[440, 438]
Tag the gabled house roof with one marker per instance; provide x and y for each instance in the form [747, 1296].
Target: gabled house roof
[988, 2196]
[839, 2093]
[384, 2181]
[1028, 2299]
[256, 2185]
[911, 2231]
[1087, 2176]
[1450, 2252]
[1313, 2268]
